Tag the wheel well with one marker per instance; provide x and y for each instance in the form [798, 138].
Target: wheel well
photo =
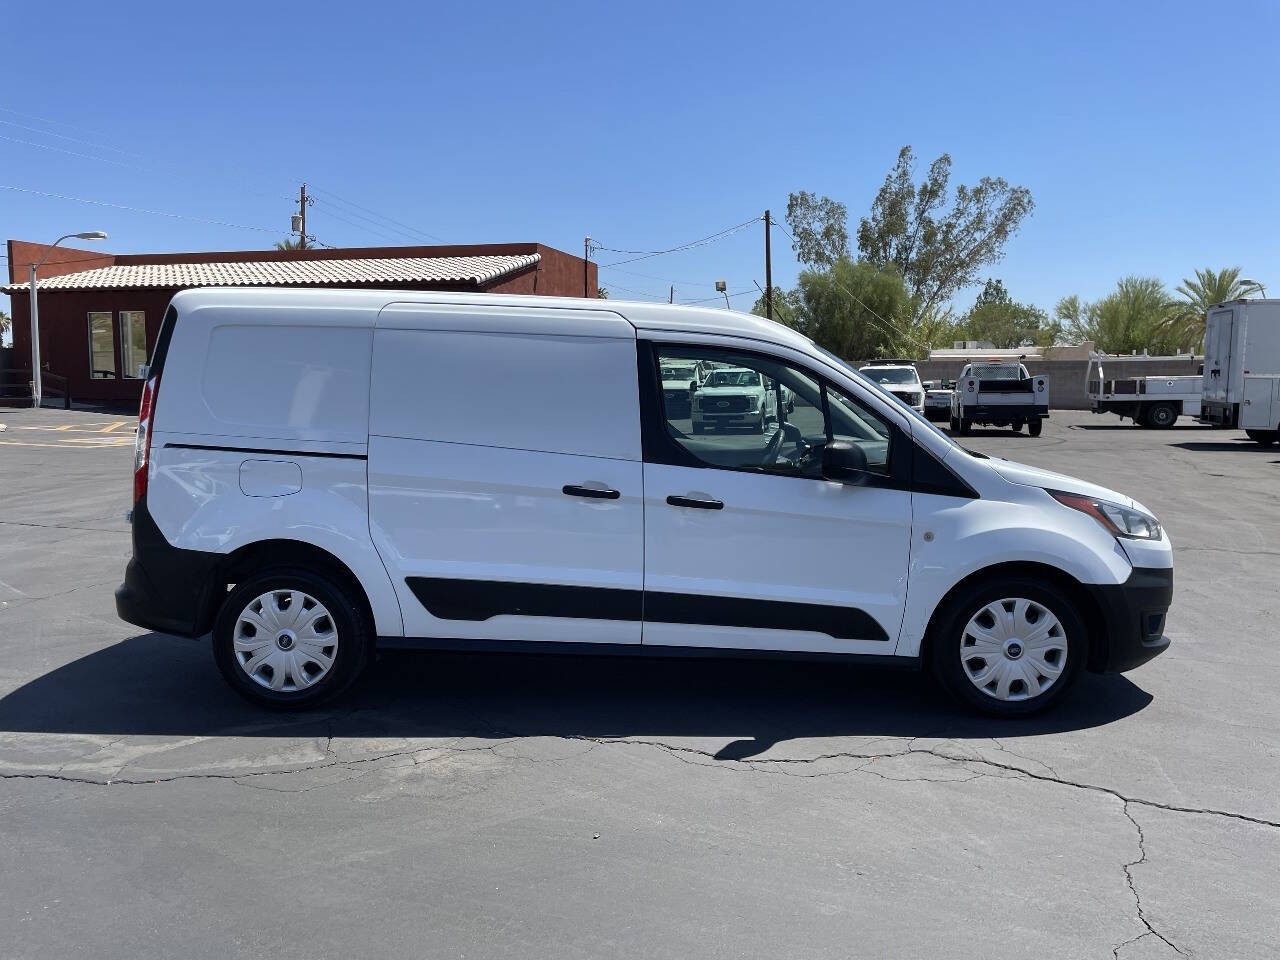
[1085, 603]
[269, 553]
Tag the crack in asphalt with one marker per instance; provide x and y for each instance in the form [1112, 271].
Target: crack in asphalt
[1150, 931]
[779, 765]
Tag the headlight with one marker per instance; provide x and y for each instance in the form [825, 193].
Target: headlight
[1119, 521]
[753, 403]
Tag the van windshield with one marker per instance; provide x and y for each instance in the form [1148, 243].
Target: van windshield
[890, 374]
[734, 378]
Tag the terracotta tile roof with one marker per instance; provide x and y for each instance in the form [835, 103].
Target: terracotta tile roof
[369, 271]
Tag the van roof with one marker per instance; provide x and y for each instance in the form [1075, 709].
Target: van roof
[643, 316]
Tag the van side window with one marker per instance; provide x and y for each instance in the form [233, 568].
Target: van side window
[751, 412]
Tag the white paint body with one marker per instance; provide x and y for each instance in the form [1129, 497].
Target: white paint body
[431, 435]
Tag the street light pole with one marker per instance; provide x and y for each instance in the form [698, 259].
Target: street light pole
[37, 386]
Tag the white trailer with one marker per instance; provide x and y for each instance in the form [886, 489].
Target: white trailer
[1242, 368]
[1155, 402]
[1001, 393]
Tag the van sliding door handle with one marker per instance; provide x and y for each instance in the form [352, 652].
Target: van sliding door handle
[591, 493]
[696, 503]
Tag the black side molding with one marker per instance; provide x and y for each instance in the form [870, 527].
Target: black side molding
[478, 600]
[276, 453]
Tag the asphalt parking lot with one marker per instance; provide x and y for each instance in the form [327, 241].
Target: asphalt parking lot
[522, 807]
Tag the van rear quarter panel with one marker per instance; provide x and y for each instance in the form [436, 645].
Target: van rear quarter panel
[269, 372]
[290, 380]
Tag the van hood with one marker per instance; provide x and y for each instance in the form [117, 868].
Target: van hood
[1046, 479]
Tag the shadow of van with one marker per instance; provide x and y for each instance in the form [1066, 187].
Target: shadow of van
[154, 685]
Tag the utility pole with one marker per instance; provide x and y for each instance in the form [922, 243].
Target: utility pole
[586, 269]
[768, 269]
[302, 210]
[672, 297]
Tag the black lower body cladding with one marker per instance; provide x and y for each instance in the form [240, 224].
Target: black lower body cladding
[1133, 615]
[165, 587]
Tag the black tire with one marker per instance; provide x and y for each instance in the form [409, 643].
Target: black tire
[965, 426]
[699, 428]
[947, 640]
[1264, 437]
[759, 427]
[1017, 426]
[1035, 426]
[354, 632]
[1160, 416]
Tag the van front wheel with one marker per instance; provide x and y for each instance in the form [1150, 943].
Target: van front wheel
[1009, 648]
[290, 639]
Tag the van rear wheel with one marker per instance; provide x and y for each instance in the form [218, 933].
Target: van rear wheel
[1035, 426]
[290, 639]
[1011, 647]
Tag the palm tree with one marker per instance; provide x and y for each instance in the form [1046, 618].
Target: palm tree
[1186, 325]
[4, 323]
[293, 243]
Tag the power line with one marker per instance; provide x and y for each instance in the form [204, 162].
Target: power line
[73, 153]
[60, 136]
[413, 231]
[646, 254]
[718, 296]
[154, 213]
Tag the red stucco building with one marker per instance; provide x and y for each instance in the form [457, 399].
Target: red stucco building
[100, 312]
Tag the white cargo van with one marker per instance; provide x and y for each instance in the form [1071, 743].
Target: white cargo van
[323, 473]
[1241, 376]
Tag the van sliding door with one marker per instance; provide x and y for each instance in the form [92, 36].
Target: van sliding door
[505, 472]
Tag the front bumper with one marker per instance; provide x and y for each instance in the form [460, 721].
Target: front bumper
[1132, 615]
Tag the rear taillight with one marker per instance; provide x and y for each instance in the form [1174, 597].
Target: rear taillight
[142, 444]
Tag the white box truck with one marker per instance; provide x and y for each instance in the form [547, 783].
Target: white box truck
[1242, 368]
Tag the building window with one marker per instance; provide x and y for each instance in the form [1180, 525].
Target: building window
[133, 343]
[102, 346]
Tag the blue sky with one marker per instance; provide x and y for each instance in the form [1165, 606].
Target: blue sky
[1147, 133]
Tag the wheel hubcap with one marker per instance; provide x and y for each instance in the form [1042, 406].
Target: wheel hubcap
[285, 641]
[1013, 649]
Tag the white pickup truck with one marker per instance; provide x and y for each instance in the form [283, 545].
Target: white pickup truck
[734, 397]
[1001, 393]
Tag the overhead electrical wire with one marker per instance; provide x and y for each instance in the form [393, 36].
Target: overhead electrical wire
[413, 231]
[154, 213]
[647, 254]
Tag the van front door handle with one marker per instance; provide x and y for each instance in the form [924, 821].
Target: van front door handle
[696, 503]
[591, 493]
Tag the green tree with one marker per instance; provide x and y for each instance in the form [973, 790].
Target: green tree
[996, 317]
[5, 322]
[602, 293]
[1133, 317]
[788, 308]
[819, 228]
[1186, 325]
[855, 310]
[293, 243]
[938, 242]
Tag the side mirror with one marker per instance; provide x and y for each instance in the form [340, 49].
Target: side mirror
[693, 386]
[843, 461]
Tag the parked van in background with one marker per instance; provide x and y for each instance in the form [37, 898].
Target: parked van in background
[322, 473]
